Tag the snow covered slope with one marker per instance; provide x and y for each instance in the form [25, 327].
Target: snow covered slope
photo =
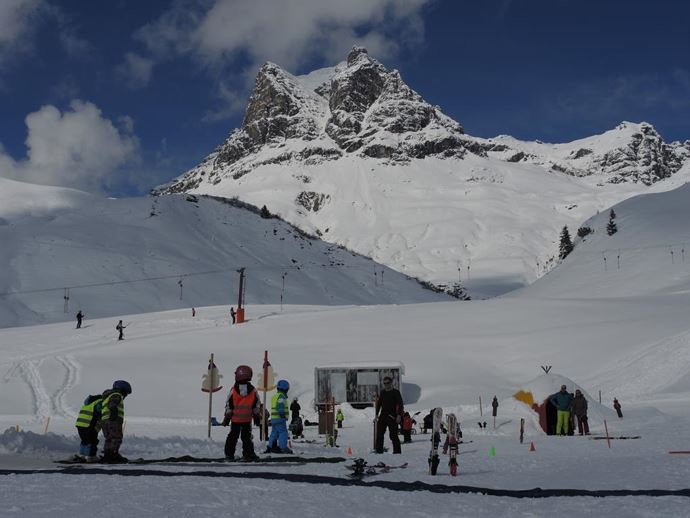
[355, 155]
[649, 255]
[20, 199]
[129, 256]
[633, 347]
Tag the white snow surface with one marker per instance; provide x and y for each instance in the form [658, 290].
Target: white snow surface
[600, 330]
[122, 256]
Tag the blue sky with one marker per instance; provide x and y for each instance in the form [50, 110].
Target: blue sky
[120, 96]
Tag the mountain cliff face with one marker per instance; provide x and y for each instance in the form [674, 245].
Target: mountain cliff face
[353, 154]
[359, 108]
[629, 153]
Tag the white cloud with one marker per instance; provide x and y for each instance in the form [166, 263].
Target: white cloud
[218, 32]
[17, 19]
[136, 70]
[75, 148]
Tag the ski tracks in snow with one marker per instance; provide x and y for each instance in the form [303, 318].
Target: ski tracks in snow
[71, 379]
[44, 404]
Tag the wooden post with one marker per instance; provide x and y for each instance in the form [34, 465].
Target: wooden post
[45, 430]
[211, 386]
[608, 439]
[481, 412]
[522, 430]
[600, 397]
[265, 389]
[376, 401]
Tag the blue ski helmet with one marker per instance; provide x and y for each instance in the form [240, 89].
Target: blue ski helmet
[283, 385]
[122, 386]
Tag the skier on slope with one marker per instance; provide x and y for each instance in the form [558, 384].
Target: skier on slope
[120, 327]
[112, 419]
[278, 441]
[80, 316]
[240, 407]
[389, 411]
[339, 417]
[88, 425]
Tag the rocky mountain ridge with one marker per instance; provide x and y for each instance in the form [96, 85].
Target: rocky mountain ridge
[360, 107]
[354, 155]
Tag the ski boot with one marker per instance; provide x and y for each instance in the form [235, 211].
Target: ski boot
[251, 458]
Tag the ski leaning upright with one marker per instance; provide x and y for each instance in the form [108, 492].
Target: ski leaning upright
[435, 441]
[451, 444]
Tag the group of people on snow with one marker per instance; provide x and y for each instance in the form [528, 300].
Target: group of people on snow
[104, 412]
[571, 408]
[242, 408]
[120, 327]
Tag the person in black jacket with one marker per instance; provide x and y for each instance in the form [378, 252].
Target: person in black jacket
[389, 411]
[294, 410]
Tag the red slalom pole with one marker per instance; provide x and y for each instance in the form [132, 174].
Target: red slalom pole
[608, 439]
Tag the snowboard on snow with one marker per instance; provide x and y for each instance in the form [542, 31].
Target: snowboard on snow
[360, 469]
[435, 441]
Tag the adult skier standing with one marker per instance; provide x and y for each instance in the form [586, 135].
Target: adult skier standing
[388, 413]
[278, 441]
[562, 400]
[80, 316]
[339, 417]
[579, 406]
[112, 419]
[617, 408]
[294, 410]
[240, 407]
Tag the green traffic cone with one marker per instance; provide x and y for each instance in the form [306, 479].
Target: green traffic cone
[492, 451]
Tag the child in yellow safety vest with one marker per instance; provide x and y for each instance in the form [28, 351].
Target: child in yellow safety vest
[112, 419]
[88, 425]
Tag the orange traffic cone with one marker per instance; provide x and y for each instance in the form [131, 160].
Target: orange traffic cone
[531, 446]
[349, 451]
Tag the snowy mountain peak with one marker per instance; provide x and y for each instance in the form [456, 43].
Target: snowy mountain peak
[353, 154]
[630, 153]
[358, 107]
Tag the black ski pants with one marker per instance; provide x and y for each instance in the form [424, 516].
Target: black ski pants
[383, 423]
[582, 424]
[237, 430]
[89, 439]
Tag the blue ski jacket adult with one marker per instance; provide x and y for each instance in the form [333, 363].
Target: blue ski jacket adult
[561, 400]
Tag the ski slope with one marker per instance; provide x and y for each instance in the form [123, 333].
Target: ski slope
[121, 256]
[599, 329]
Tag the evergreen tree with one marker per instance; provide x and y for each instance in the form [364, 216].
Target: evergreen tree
[265, 213]
[584, 231]
[612, 228]
[566, 244]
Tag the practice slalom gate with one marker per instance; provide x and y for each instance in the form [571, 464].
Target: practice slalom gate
[335, 481]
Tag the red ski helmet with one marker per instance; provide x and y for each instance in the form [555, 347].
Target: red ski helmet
[243, 373]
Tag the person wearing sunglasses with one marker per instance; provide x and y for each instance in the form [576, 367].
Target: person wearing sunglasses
[388, 413]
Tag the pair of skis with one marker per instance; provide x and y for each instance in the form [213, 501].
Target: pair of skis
[450, 447]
